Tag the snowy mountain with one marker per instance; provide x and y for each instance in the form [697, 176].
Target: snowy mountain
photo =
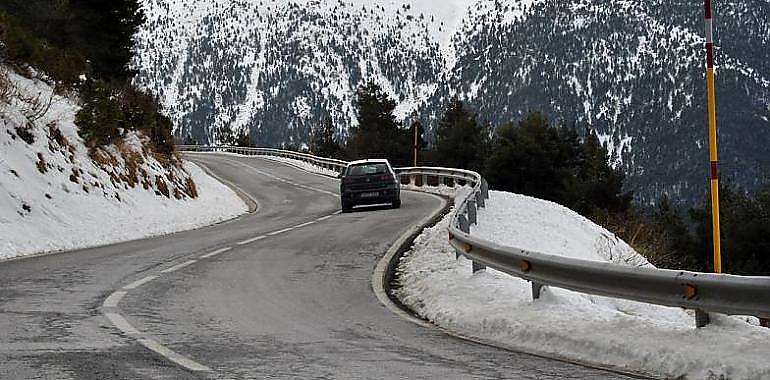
[631, 70]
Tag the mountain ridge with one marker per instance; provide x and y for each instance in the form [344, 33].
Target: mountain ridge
[631, 71]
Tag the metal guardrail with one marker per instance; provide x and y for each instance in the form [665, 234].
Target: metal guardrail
[709, 292]
[326, 163]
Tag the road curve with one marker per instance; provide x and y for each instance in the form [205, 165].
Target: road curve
[249, 298]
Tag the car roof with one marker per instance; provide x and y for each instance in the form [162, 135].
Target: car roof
[369, 161]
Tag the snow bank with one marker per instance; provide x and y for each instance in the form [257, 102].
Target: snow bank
[303, 165]
[627, 335]
[55, 196]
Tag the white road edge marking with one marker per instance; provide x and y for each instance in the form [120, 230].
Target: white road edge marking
[218, 251]
[380, 271]
[306, 224]
[114, 299]
[173, 356]
[139, 283]
[179, 266]
[252, 240]
[121, 323]
[280, 231]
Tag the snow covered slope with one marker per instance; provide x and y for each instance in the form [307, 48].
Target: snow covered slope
[632, 336]
[632, 70]
[55, 195]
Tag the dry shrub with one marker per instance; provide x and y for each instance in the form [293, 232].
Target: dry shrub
[42, 167]
[646, 238]
[7, 90]
[190, 188]
[162, 187]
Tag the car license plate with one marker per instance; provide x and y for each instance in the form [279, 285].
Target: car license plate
[370, 195]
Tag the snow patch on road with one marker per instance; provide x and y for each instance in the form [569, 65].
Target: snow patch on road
[627, 335]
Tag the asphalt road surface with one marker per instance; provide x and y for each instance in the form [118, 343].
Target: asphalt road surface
[245, 299]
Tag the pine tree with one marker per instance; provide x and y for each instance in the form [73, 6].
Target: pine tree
[530, 158]
[745, 227]
[597, 184]
[322, 141]
[460, 138]
[378, 134]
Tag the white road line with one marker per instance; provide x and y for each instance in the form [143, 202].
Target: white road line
[252, 240]
[305, 224]
[286, 181]
[218, 251]
[114, 299]
[280, 231]
[139, 283]
[173, 356]
[121, 323]
[179, 266]
[328, 216]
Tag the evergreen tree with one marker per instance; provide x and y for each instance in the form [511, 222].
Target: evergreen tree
[460, 138]
[71, 37]
[532, 158]
[676, 235]
[243, 139]
[378, 134]
[745, 232]
[322, 141]
[597, 184]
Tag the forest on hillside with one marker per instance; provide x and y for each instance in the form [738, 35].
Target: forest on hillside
[85, 46]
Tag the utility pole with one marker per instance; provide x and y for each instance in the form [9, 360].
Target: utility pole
[416, 144]
[713, 153]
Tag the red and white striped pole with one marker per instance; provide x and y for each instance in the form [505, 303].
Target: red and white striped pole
[701, 317]
[713, 138]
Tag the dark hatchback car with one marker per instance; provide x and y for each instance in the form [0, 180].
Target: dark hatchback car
[369, 182]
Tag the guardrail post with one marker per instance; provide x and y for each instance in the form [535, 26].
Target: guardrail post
[764, 322]
[484, 188]
[472, 212]
[536, 288]
[480, 200]
[478, 267]
[424, 180]
[464, 227]
[701, 318]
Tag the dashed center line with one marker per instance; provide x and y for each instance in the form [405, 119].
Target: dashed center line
[111, 303]
[252, 240]
[179, 266]
[218, 251]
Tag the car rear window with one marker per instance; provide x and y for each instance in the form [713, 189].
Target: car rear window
[366, 169]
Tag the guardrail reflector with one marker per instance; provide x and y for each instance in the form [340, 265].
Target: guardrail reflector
[467, 248]
[451, 237]
[690, 291]
[525, 266]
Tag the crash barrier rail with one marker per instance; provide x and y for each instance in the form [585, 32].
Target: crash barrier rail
[702, 292]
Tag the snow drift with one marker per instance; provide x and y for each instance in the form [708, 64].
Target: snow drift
[627, 335]
[55, 194]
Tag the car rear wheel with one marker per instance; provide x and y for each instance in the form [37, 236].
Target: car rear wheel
[397, 203]
[347, 206]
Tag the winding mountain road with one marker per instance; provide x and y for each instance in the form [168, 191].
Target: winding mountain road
[280, 293]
